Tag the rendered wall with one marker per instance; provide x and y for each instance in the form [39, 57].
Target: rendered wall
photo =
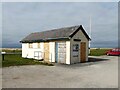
[29, 52]
[52, 51]
[78, 35]
[67, 52]
[24, 50]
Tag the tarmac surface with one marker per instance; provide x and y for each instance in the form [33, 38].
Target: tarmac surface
[99, 72]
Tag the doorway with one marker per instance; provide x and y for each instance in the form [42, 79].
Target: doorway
[60, 52]
[82, 52]
[46, 51]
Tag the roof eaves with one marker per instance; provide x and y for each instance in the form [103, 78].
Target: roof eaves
[44, 40]
[85, 33]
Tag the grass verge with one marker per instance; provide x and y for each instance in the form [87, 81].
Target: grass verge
[98, 52]
[17, 60]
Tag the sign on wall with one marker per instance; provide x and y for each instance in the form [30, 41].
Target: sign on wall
[75, 50]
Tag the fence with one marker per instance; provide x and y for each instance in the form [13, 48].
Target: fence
[46, 56]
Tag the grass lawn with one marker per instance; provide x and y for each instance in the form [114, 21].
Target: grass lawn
[98, 52]
[17, 60]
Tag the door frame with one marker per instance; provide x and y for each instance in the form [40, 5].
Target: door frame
[57, 52]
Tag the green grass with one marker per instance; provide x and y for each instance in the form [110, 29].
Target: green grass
[98, 52]
[0, 61]
[17, 60]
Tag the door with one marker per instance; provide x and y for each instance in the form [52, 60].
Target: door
[60, 52]
[82, 52]
[46, 51]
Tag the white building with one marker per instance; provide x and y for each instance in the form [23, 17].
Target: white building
[65, 45]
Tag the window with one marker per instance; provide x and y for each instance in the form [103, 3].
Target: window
[30, 45]
[38, 45]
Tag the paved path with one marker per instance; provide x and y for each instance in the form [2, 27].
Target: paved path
[101, 74]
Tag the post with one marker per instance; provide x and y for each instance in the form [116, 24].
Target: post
[2, 56]
[3, 53]
[90, 33]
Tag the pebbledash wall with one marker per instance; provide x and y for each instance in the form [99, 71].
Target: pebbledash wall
[70, 59]
[29, 52]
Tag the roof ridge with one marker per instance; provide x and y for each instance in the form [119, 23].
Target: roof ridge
[57, 29]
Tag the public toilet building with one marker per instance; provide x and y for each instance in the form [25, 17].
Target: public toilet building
[67, 45]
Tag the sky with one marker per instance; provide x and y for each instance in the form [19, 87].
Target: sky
[22, 18]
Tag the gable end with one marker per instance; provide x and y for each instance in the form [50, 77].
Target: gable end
[80, 28]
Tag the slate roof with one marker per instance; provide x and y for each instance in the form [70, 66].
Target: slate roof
[56, 34]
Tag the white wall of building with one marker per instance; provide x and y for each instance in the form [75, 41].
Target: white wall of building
[67, 52]
[29, 52]
[52, 51]
[25, 50]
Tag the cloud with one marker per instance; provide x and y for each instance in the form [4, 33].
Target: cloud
[59, 0]
[20, 19]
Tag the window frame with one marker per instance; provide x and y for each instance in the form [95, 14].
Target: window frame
[38, 45]
[30, 45]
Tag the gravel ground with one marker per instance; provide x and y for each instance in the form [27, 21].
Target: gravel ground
[0, 78]
[101, 74]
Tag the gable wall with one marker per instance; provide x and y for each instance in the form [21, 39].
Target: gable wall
[78, 35]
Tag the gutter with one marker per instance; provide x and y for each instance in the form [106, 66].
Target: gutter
[46, 40]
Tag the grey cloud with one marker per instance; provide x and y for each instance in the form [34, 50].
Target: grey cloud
[20, 19]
